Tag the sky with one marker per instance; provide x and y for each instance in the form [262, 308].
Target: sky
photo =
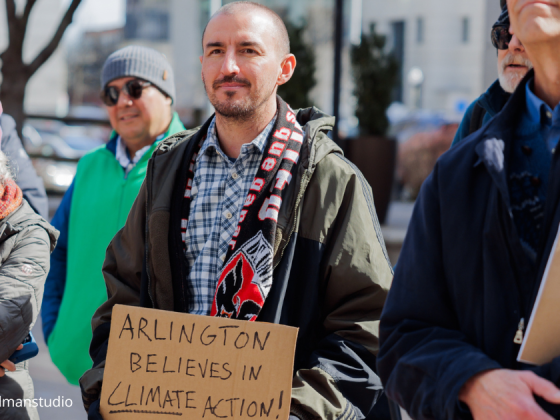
[97, 15]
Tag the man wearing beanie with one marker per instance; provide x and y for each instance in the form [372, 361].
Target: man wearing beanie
[513, 65]
[138, 90]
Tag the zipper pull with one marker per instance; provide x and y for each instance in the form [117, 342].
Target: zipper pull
[519, 333]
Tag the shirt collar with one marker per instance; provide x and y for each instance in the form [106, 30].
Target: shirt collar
[123, 157]
[537, 110]
[212, 142]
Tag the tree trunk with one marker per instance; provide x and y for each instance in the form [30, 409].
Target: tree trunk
[12, 89]
[15, 73]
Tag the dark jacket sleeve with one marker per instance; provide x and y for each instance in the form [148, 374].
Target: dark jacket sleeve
[122, 271]
[340, 379]
[424, 358]
[56, 279]
[26, 177]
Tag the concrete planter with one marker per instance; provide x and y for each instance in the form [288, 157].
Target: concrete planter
[375, 156]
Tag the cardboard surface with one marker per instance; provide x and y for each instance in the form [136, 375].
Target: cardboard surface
[541, 343]
[163, 365]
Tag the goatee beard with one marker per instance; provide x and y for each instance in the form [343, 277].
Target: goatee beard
[234, 111]
[240, 111]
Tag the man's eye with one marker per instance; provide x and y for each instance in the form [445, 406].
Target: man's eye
[214, 52]
[248, 51]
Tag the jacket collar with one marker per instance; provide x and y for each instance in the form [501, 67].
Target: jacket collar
[314, 121]
[494, 142]
[494, 98]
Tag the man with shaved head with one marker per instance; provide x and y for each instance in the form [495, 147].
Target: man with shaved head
[257, 216]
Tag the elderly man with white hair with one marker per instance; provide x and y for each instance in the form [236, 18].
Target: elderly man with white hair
[483, 229]
[513, 65]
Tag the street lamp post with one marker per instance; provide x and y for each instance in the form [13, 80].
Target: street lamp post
[338, 14]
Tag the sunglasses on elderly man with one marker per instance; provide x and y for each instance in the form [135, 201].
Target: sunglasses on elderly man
[500, 37]
[133, 88]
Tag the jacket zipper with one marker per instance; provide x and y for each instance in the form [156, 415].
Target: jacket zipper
[518, 339]
[519, 334]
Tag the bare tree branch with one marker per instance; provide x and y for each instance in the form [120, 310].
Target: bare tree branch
[26, 12]
[10, 9]
[11, 17]
[45, 54]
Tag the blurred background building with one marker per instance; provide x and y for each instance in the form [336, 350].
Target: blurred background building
[448, 40]
[442, 49]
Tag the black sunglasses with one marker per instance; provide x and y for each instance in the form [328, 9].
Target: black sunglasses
[500, 37]
[133, 88]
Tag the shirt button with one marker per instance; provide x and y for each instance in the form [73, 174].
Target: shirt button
[229, 215]
[526, 150]
[235, 175]
[548, 114]
[223, 258]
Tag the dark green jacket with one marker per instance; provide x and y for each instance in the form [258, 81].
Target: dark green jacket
[331, 272]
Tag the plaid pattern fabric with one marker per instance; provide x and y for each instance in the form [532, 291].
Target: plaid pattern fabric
[218, 192]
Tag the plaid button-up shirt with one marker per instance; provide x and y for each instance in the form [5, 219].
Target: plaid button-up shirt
[218, 192]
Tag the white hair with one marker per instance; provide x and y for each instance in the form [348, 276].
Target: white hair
[6, 173]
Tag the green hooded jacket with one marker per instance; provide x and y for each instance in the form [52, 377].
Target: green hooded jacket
[101, 201]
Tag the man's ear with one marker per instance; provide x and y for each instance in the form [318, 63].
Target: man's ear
[286, 69]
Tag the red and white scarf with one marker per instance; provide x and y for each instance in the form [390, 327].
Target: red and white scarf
[246, 276]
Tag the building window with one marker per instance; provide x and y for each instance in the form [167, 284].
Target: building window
[465, 30]
[148, 24]
[420, 30]
[398, 32]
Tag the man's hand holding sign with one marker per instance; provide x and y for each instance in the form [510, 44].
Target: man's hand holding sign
[164, 363]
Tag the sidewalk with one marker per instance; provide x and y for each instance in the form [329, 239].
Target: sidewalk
[49, 383]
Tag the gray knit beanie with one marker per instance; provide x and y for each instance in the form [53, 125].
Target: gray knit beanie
[142, 62]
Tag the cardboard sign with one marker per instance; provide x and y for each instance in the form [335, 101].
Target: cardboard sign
[164, 365]
[542, 337]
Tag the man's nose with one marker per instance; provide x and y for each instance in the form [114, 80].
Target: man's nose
[124, 99]
[515, 45]
[229, 66]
